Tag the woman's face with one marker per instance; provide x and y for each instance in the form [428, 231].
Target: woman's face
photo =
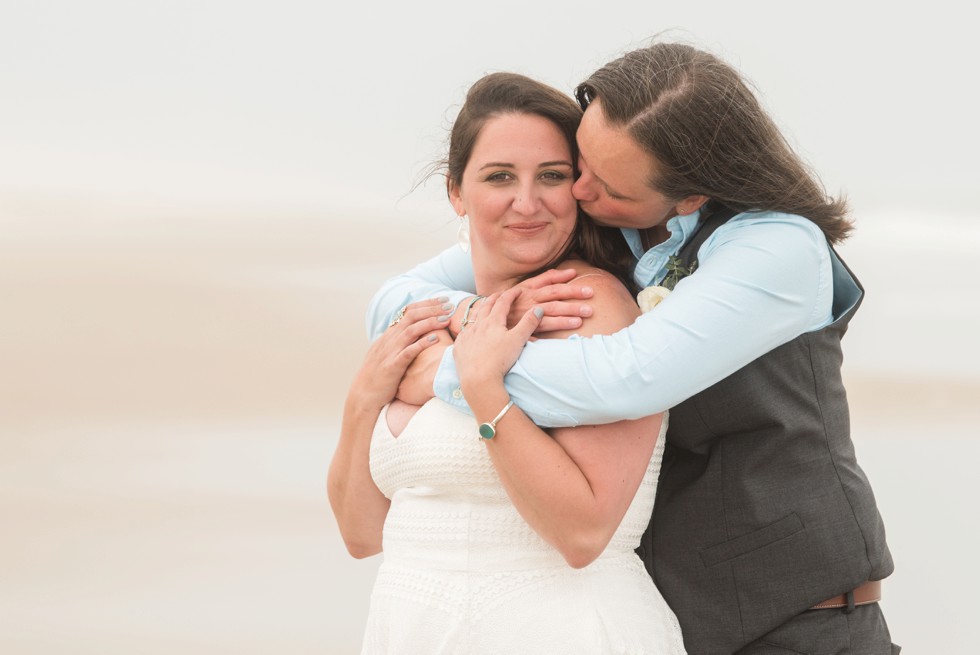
[517, 191]
[614, 187]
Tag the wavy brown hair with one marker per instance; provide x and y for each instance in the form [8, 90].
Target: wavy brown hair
[708, 132]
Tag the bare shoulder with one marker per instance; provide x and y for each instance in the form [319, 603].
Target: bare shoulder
[613, 307]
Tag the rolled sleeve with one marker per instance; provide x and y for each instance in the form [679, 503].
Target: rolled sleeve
[760, 283]
[449, 274]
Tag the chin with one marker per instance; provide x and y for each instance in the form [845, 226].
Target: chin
[533, 261]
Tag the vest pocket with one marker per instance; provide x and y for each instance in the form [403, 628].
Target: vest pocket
[784, 527]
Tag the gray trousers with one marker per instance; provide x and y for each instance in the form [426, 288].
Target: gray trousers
[862, 631]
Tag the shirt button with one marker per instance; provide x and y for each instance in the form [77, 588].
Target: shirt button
[457, 393]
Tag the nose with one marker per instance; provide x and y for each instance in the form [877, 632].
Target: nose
[584, 188]
[526, 201]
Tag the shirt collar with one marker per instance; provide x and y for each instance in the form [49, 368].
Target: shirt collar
[650, 266]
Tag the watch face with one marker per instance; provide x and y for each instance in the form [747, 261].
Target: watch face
[487, 431]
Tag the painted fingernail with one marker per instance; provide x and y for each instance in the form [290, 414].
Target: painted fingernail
[538, 312]
[444, 318]
[431, 337]
[447, 306]
[442, 299]
[586, 310]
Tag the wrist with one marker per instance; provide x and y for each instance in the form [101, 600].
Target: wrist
[484, 394]
[464, 314]
[360, 406]
[456, 318]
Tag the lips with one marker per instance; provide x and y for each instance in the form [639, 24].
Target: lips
[527, 229]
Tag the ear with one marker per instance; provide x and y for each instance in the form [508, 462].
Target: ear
[455, 197]
[690, 204]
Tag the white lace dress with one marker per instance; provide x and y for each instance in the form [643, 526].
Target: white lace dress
[463, 572]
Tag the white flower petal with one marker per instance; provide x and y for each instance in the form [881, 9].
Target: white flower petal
[651, 297]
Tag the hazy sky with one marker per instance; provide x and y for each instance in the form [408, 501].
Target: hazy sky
[300, 103]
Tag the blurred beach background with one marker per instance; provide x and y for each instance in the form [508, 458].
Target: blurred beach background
[197, 200]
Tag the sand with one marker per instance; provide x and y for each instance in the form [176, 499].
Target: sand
[170, 387]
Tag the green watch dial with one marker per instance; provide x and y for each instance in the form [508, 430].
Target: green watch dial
[487, 431]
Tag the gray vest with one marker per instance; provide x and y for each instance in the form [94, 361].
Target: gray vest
[762, 510]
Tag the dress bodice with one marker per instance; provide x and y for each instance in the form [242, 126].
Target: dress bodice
[447, 498]
[463, 573]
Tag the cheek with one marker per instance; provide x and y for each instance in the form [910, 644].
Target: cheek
[625, 213]
[563, 205]
[485, 212]
[483, 207]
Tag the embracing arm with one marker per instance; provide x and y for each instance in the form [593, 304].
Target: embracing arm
[448, 274]
[358, 505]
[574, 485]
[761, 282]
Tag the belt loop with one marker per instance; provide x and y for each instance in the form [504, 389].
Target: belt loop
[850, 602]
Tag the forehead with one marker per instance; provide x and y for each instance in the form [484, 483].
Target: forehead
[612, 154]
[520, 137]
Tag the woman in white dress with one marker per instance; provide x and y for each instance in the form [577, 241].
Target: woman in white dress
[498, 536]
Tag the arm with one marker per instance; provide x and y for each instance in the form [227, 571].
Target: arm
[450, 274]
[358, 505]
[762, 281]
[575, 485]
[452, 270]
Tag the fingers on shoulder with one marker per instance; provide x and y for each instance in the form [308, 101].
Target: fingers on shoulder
[613, 306]
[549, 277]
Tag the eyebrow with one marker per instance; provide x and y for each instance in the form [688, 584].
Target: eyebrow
[544, 164]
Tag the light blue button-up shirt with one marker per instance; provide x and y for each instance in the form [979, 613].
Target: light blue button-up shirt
[763, 279]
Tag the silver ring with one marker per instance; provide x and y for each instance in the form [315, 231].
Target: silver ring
[399, 316]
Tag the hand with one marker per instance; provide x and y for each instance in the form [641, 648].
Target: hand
[487, 348]
[551, 292]
[417, 383]
[391, 354]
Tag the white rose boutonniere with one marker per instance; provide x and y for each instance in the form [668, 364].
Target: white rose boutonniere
[651, 297]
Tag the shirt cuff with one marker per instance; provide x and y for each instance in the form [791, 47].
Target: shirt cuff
[447, 386]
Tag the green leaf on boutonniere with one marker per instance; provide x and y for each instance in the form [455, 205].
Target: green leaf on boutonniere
[676, 272]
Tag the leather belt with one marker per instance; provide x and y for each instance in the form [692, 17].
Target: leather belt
[867, 593]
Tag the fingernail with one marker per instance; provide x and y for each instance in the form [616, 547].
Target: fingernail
[586, 310]
[444, 318]
[431, 337]
[538, 312]
[442, 299]
[587, 291]
[447, 306]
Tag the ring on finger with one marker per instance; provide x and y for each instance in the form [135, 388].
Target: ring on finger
[399, 316]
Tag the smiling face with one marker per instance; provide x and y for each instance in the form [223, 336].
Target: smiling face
[614, 185]
[517, 191]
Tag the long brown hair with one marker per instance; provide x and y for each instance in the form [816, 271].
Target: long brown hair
[708, 132]
[497, 94]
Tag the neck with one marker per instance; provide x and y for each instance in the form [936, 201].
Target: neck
[488, 283]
